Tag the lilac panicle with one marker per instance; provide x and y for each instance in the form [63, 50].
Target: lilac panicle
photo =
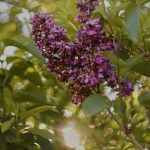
[51, 39]
[81, 61]
[86, 7]
[47, 34]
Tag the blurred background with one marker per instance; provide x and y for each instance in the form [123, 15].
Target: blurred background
[36, 112]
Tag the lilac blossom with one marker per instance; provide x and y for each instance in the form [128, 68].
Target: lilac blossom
[126, 87]
[51, 39]
[86, 8]
[82, 61]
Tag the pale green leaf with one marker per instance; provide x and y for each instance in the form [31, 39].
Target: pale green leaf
[132, 17]
[94, 104]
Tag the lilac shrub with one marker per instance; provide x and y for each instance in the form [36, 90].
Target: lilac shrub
[82, 61]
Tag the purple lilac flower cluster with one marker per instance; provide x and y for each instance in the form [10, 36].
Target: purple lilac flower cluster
[82, 61]
[86, 8]
[50, 38]
[127, 87]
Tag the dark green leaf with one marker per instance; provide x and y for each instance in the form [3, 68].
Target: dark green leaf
[33, 77]
[142, 68]
[13, 139]
[24, 69]
[133, 61]
[41, 132]
[45, 144]
[33, 96]
[115, 60]
[94, 104]
[126, 73]
[144, 99]
[32, 93]
[19, 67]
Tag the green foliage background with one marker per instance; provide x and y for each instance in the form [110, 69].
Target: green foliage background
[30, 96]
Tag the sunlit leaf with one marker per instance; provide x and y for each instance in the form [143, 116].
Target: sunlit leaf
[38, 110]
[7, 125]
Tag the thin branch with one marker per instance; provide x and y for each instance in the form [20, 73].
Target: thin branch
[117, 120]
[128, 135]
[134, 142]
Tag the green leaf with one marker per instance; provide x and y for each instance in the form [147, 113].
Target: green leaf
[115, 60]
[15, 10]
[144, 99]
[10, 138]
[12, 59]
[29, 146]
[7, 124]
[142, 68]
[19, 67]
[126, 73]
[33, 96]
[94, 104]
[146, 21]
[26, 44]
[132, 17]
[137, 118]
[144, 2]
[46, 144]
[123, 65]
[1, 51]
[33, 93]
[24, 69]
[33, 77]
[133, 61]
[38, 110]
[41, 132]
